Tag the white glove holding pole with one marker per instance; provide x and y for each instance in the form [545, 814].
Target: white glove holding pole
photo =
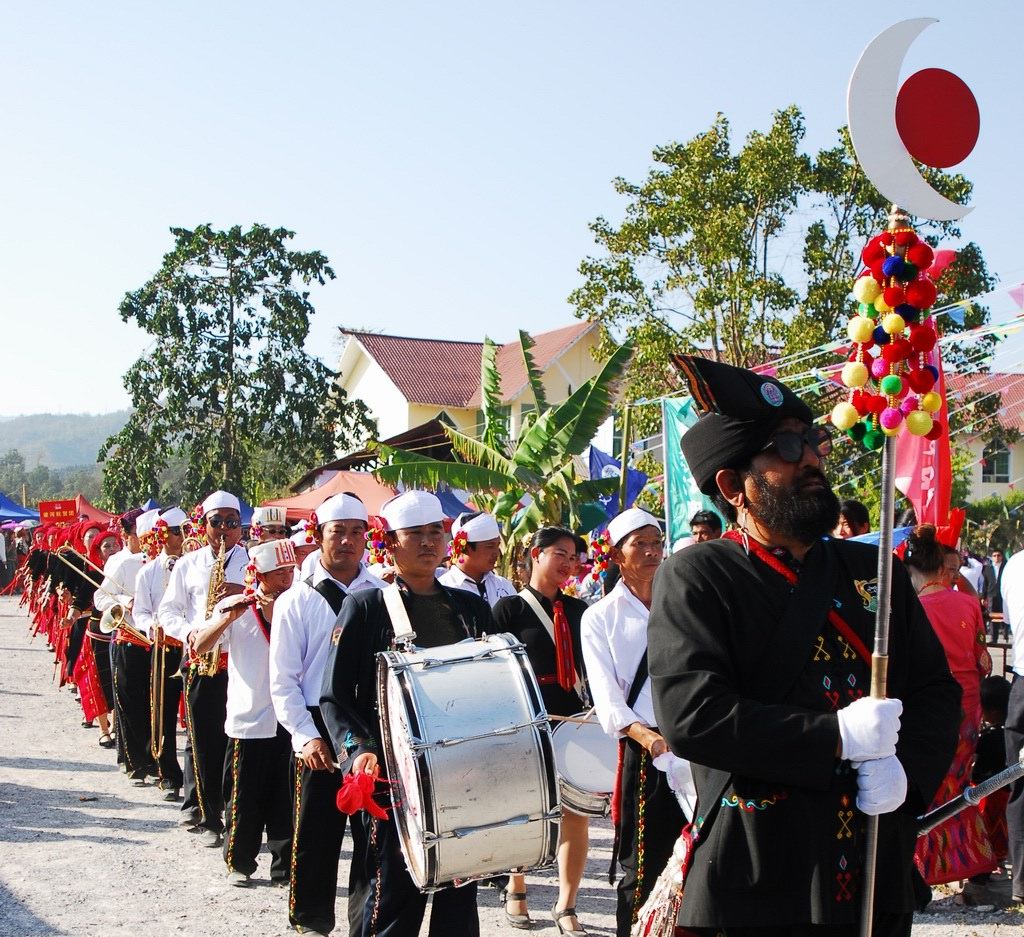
[869, 728]
[680, 779]
[881, 785]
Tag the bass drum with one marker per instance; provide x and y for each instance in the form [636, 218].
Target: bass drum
[467, 746]
[587, 759]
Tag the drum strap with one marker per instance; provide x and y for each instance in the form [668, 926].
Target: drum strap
[549, 626]
[397, 613]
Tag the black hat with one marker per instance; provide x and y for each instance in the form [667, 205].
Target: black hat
[741, 410]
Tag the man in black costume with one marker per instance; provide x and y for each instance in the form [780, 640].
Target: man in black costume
[760, 663]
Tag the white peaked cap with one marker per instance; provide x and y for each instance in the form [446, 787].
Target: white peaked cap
[221, 499]
[481, 527]
[622, 525]
[301, 540]
[269, 514]
[145, 521]
[411, 509]
[267, 557]
[174, 517]
[341, 508]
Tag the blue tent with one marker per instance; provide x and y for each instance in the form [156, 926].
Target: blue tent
[451, 505]
[9, 511]
[246, 512]
[150, 505]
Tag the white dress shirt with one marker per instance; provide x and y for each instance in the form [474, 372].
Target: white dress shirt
[150, 586]
[118, 584]
[974, 573]
[309, 564]
[613, 633]
[495, 586]
[250, 711]
[183, 607]
[1012, 589]
[299, 642]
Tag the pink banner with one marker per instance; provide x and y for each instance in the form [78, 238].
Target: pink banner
[924, 470]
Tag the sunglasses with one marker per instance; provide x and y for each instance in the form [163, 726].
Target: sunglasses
[789, 444]
[231, 523]
[174, 530]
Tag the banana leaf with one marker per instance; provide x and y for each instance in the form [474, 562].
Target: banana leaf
[418, 471]
[526, 343]
[495, 431]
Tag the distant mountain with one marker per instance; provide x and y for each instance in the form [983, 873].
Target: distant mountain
[58, 440]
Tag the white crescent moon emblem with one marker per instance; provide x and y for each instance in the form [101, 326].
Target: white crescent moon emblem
[871, 114]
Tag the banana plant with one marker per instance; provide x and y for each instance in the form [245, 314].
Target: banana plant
[531, 481]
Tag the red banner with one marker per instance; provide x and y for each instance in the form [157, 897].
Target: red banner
[61, 513]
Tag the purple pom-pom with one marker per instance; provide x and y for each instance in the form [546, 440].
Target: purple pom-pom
[890, 418]
[909, 405]
[879, 368]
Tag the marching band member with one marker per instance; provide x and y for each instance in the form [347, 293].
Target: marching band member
[270, 522]
[614, 638]
[299, 641]
[150, 586]
[259, 755]
[183, 610]
[439, 615]
[129, 662]
[548, 622]
[102, 548]
[473, 564]
[304, 546]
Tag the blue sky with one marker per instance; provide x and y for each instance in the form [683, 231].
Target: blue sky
[447, 157]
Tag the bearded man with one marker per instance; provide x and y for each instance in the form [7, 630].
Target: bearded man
[760, 666]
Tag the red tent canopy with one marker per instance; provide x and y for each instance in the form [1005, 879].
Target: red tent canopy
[90, 512]
[370, 491]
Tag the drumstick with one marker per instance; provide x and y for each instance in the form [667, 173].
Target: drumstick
[576, 719]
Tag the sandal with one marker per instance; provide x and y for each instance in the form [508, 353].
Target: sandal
[88, 724]
[520, 921]
[557, 916]
[106, 740]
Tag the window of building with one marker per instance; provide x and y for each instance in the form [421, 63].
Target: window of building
[995, 462]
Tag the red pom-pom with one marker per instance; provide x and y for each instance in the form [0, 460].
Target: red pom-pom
[876, 271]
[921, 293]
[921, 381]
[886, 238]
[923, 338]
[873, 252]
[921, 255]
[905, 238]
[860, 402]
[876, 404]
[894, 296]
[935, 432]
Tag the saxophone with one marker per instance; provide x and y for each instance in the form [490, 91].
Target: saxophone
[209, 663]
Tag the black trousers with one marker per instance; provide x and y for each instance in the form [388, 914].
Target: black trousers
[882, 925]
[170, 768]
[395, 906]
[1014, 735]
[206, 701]
[74, 648]
[644, 849]
[316, 849]
[257, 798]
[131, 703]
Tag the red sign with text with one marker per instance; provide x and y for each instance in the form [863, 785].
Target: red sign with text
[61, 513]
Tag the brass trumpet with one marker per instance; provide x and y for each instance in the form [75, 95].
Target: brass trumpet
[118, 618]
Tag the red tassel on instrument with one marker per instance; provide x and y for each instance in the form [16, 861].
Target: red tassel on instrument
[356, 793]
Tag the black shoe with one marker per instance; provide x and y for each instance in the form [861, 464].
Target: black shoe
[499, 882]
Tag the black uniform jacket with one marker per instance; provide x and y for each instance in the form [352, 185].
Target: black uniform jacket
[348, 695]
[748, 675]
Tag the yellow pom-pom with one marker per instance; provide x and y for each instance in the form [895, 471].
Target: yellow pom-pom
[855, 374]
[844, 415]
[894, 323]
[866, 289]
[931, 402]
[895, 431]
[919, 423]
[881, 306]
[860, 329]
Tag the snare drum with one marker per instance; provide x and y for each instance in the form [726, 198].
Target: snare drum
[587, 759]
[467, 746]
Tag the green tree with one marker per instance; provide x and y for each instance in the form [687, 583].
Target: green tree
[538, 466]
[226, 383]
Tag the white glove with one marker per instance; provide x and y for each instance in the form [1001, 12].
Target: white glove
[869, 728]
[881, 785]
[680, 780]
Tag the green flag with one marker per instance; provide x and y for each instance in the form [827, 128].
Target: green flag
[683, 498]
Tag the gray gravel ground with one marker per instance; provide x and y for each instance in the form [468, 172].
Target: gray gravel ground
[83, 852]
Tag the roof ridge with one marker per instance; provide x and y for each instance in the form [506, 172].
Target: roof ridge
[407, 338]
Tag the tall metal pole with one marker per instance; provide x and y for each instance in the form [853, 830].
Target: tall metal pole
[880, 659]
[627, 428]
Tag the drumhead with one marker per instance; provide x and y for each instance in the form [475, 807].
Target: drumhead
[585, 755]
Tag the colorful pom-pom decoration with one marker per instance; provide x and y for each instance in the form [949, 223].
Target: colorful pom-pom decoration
[458, 546]
[377, 546]
[895, 388]
[600, 547]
